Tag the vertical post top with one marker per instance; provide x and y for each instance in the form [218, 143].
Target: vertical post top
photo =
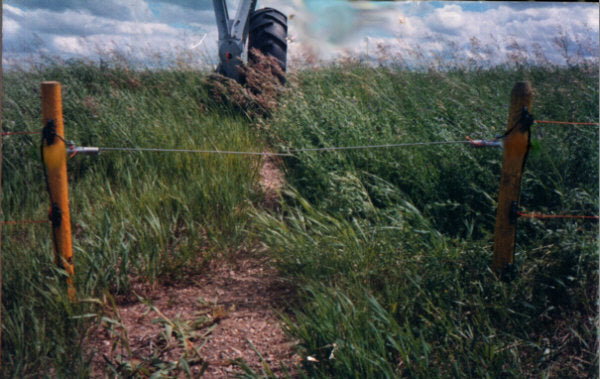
[520, 97]
[521, 89]
[50, 90]
[52, 107]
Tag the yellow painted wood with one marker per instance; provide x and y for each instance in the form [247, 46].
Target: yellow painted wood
[54, 156]
[516, 147]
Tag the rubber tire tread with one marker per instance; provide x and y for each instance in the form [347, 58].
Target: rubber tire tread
[268, 34]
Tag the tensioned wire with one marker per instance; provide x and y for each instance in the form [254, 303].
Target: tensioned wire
[291, 152]
[287, 153]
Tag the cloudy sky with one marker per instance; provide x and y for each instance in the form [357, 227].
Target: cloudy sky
[322, 29]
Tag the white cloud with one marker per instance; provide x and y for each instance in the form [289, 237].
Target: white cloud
[173, 13]
[449, 19]
[114, 9]
[135, 29]
[187, 4]
[499, 31]
[11, 11]
[78, 33]
[328, 28]
[10, 28]
[71, 45]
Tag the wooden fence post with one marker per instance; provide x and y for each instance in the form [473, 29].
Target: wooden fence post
[516, 147]
[54, 156]
[1, 213]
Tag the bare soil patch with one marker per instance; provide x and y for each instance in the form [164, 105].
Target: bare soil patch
[209, 322]
[214, 319]
[271, 181]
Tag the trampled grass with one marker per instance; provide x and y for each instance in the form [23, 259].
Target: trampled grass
[389, 249]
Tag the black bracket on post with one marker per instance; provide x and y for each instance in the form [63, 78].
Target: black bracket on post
[526, 119]
[49, 132]
[514, 212]
[55, 215]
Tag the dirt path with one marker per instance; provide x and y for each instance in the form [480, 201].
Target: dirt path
[214, 320]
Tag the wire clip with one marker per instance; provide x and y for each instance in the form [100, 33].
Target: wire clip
[73, 150]
[485, 142]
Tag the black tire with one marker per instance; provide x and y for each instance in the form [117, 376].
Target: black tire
[268, 34]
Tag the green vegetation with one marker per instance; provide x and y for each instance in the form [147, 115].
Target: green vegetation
[136, 216]
[388, 249]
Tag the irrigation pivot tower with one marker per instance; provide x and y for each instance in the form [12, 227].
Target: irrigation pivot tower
[263, 29]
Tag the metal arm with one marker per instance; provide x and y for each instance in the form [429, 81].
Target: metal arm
[232, 35]
[222, 18]
[239, 27]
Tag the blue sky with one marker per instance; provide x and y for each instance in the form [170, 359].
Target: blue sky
[321, 29]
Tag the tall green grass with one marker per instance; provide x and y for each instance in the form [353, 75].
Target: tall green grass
[137, 217]
[390, 249]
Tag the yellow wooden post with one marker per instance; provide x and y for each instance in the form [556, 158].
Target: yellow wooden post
[516, 147]
[54, 156]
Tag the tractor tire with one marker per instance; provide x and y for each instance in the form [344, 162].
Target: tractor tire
[268, 34]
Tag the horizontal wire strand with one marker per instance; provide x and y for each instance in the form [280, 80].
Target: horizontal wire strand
[19, 133]
[379, 146]
[550, 216]
[160, 150]
[290, 152]
[565, 122]
[24, 222]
